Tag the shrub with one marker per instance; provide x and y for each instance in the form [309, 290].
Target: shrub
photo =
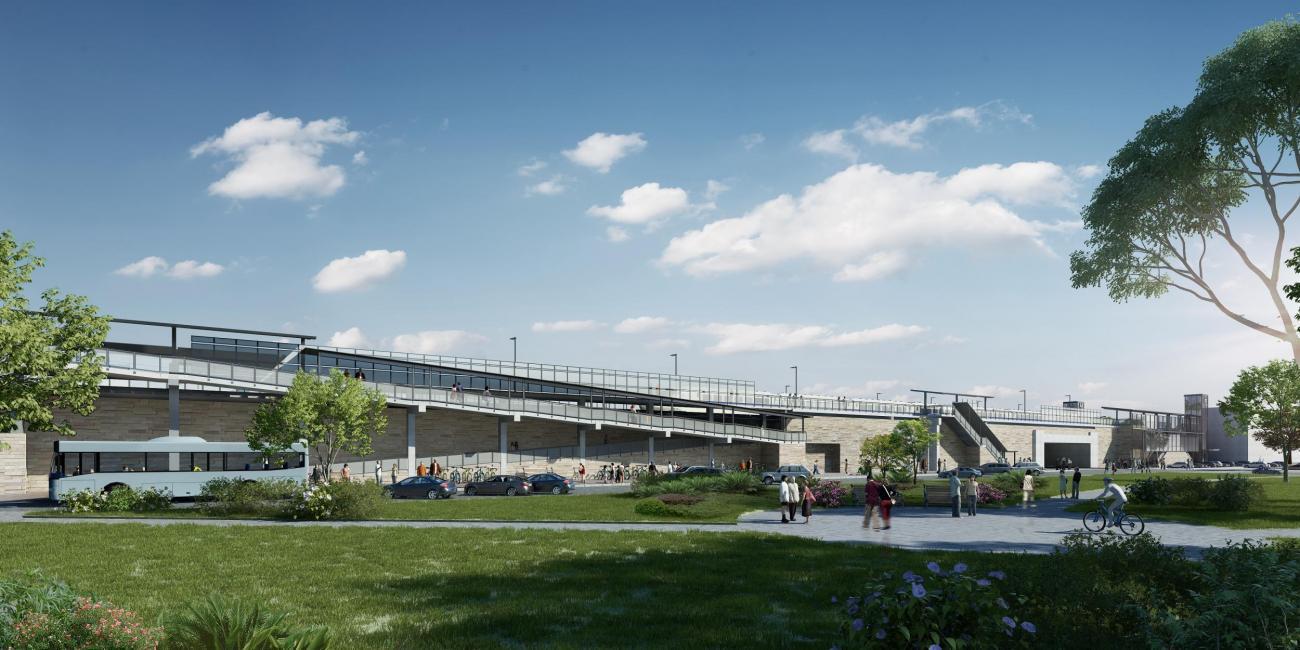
[227, 496]
[654, 507]
[1189, 491]
[989, 494]
[898, 476]
[39, 613]
[336, 500]
[1234, 493]
[946, 609]
[1009, 483]
[730, 482]
[120, 499]
[1155, 490]
[679, 499]
[219, 623]
[831, 494]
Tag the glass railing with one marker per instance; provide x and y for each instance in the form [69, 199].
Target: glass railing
[236, 376]
[913, 409]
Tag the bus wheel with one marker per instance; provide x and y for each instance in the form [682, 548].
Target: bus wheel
[108, 489]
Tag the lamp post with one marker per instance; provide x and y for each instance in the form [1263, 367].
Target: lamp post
[674, 356]
[1024, 400]
[796, 380]
[514, 343]
[877, 396]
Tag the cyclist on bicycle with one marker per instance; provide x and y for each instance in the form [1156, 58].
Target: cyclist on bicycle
[1115, 508]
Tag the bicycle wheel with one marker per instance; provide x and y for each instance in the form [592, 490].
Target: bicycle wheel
[1094, 521]
[1131, 524]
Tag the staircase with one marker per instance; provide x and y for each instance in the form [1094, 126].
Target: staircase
[968, 424]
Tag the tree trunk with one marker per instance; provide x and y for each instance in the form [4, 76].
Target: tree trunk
[1286, 464]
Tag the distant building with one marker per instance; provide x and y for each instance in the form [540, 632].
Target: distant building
[1231, 449]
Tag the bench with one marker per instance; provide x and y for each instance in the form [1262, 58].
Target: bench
[935, 495]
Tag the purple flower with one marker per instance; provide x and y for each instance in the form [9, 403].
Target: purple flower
[998, 574]
[934, 646]
[959, 568]
[857, 624]
[880, 634]
[934, 567]
[1008, 621]
[911, 577]
[918, 590]
[853, 608]
[835, 599]
[983, 582]
[1029, 627]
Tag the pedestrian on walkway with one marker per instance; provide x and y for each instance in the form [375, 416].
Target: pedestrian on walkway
[954, 493]
[872, 498]
[785, 498]
[807, 501]
[379, 473]
[1064, 481]
[815, 470]
[347, 472]
[1074, 489]
[792, 506]
[419, 469]
[393, 467]
[972, 495]
[1027, 490]
[582, 472]
[886, 504]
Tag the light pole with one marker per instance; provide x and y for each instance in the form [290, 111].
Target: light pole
[674, 356]
[514, 343]
[877, 396]
[796, 380]
[787, 389]
[1024, 400]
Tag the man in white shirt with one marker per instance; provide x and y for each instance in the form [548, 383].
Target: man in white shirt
[1114, 508]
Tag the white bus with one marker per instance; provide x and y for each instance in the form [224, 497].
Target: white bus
[104, 466]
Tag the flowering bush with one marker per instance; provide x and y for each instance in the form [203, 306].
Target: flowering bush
[337, 500]
[39, 613]
[120, 499]
[990, 494]
[830, 494]
[936, 611]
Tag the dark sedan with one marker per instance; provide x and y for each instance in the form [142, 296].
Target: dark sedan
[499, 485]
[962, 472]
[553, 483]
[421, 487]
[695, 470]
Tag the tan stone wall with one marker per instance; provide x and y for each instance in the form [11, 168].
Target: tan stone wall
[13, 463]
[845, 432]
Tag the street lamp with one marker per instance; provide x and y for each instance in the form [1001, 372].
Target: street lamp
[877, 396]
[1024, 400]
[674, 356]
[796, 380]
[514, 343]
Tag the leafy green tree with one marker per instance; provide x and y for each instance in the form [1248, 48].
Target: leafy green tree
[47, 358]
[1171, 193]
[881, 452]
[335, 414]
[1266, 400]
[913, 438]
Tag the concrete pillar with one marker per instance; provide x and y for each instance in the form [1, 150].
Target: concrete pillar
[710, 453]
[709, 410]
[582, 442]
[502, 438]
[650, 448]
[173, 420]
[410, 440]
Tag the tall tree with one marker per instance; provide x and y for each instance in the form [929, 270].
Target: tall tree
[882, 452]
[335, 414]
[913, 439]
[1265, 402]
[1171, 193]
[47, 359]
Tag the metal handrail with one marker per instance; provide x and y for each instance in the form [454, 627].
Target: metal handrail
[974, 433]
[447, 398]
[911, 409]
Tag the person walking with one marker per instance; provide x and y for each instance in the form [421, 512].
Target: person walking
[872, 498]
[954, 493]
[815, 470]
[379, 473]
[393, 474]
[582, 472]
[972, 495]
[346, 474]
[1027, 490]
[1064, 482]
[793, 504]
[785, 498]
[886, 504]
[807, 501]
[419, 469]
[1074, 489]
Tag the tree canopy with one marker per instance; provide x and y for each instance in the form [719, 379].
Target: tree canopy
[335, 414]
[47, 359]
[913, 438]
[1170, 193]
[1265, 401]
[882, 452]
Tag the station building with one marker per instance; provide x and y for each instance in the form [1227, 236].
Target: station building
[520, 416]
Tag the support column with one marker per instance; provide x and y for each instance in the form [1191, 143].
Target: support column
[502, 437]
[410, 440]
[582, 443]
[173, 420]
[710, 452]
[650, 448]
[709, 411]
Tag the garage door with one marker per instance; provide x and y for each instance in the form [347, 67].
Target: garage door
[1068, 453]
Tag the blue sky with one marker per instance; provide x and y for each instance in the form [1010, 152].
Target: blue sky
[887, 268]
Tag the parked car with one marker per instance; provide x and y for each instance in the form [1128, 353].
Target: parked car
[499, 485]
[1277, 463]
[553, 483]
[1253, 464]
[1029, 467]
[995, 468]
[420, 487]
[694, 470]
[1266, 469]
[784, 471]
[962, 472]
[1178, 465]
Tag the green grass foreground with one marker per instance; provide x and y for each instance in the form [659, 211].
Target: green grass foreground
[716, 508]
[481, 588]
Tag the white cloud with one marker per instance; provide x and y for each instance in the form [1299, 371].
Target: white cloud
[153, 265]
[599, 151]
[645, 204]
[1089, 171]
[277, 157]
[435, 341]
[867, 389]
[952, 339]
[143, 268]
[751, 140]
[567, 326]
[669, 344]
[550, 187]
[616, 234]
[641, 324]
[906, 133]
[993, 390]
[195, 269]
[713, 189]
[530, 168]
[351, 337]
[831, 143]
[347, 273]
[744, 337]
[850, 219]
[1088, 387]
[359, 159]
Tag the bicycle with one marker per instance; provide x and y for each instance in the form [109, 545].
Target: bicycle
[1097, 520]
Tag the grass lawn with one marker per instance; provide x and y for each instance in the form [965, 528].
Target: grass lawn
[716, 508]
[1278, 508]
[480, 588]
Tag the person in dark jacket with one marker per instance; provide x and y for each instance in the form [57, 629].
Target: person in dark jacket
[1078, 476]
